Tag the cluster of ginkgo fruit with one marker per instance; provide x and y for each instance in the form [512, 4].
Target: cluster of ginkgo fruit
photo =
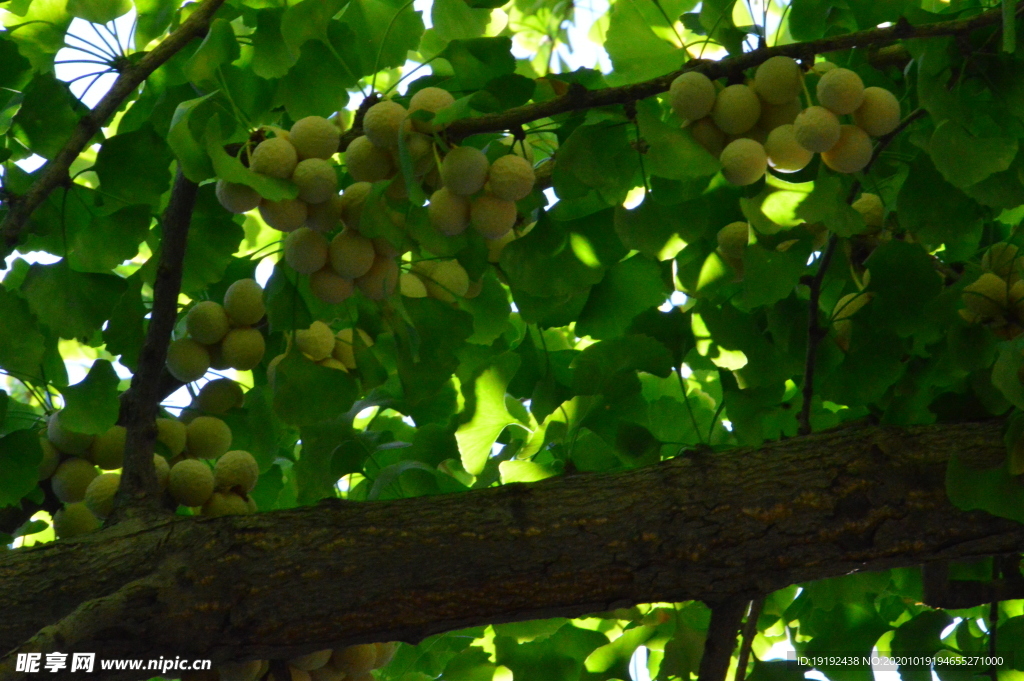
[750, 127]
[323, 226]
[996, 298]
[325, 347]
[220, 336]
[352, 663]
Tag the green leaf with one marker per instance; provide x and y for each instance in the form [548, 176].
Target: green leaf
[272, 57]
[613, 363]
[672, 153]
[316, 84]
[485, 415]
[770, 275]
[660, 231]
[477, 61]
[47, 115]
[73, 304]
[186, 143]
[600, 157]
[126, 330]
[965, 159]
[92, 406]
[15, 70]
[109, 240]
[992, 490]
[385, 31]
[904, 281]
[21, 341]
[230, 169]
[636, 50]
[40, 30]
[558, 657]
[919, 636]
[213, 237]
[306, 393]
[935, 211]
[459, 20]
[628, 288]
[99, 11]
[219, 47]
[322, 443]
[20, 454]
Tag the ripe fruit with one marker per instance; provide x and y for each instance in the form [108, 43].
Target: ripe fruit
[217, 361]
[464, 170]
[431, 99]
[314, 137]
[285, 215]
[421, 151]
[385, 249]
[491, 216]
[73, 520]
[356, 659]
[330, 287]
[237, 198]
[851, 153]
[318, 659]
[351, 255]
[173, 433]
[448, 213]
[778, 80]
[986, 297]
[353, 200]
[380, 281]
[707, 134]
[217, 397]
[785, 154]
[817, 129]
[243, 302]
[305, 250]
[367, 163]
[733, 240]
[107, 450]
[511, 178]
[236, 468]
[871, 208]
[208, 437]
[224, 503]
[743, 161]
[187, 360]
[190, 482]
[71, 478]
[446, 280]
[66, 440]
[325, 216]
[382, 123]
[51, 457]
[243, 348]
[275, 157]
[736, 109]
[99, 495]
[692, 95]
[207, 322]
[772, 116]
[344, 346]
[840, 91]
[163, 471]
[316, 342]
[411, 286]
[316, 180]
[879, 113]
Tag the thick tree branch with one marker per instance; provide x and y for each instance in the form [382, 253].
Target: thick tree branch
[713, 527]
[56, 171]
[718, 646]
[141, 403]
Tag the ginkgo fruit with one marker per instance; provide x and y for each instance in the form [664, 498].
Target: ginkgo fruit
[464, 170]
[237, 198]
[692, 95]
[311, 661]
[330, 287]
[243, 302]
[316, 342]
[187, 360]
[207, 437]
[385, 249]
[496, 246]
[107, 450]
[71, 478]
[772, 115]
[74, 520]
[851, 153]
[305, 250]
[356, 659]
[243, 348]
[163, 471]
[445, 280]
[325, 216]
[736, 109]
[431, 99]
[366, 162]
[316, 180]
[732, 239]
[51, 457]
[351, 254]
[332, 363]
[511, 178]
[785, 154]
[237, 468]
[284, 215]
[707, 135]
[987, 296]
[845, 308]
[778, 80]
[224, 503]
[870, 207]
[421, 152]
[314, 137]
[99, 495]
[219, 396]
[840, 91]
[381, 279]
[492, 217]
[173, 433]
[448, 213]
[353, 200]
[344, 346]
[879, 112]
[411, 286]
[190, 482]
[275, 157]
[207, 322]
[743, 161]
[382, 123]
[817, 129]
[67, 441]
[217, 361]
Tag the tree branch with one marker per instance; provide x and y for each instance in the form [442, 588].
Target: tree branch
[56, 171]
[749, 632]
[141, 403]
[721, 640]
[727, 526]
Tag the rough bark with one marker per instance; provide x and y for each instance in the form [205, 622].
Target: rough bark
[714, 527]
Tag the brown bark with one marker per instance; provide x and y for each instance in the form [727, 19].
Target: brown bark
[714, 527]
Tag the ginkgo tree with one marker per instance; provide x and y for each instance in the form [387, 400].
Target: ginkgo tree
[497, 369]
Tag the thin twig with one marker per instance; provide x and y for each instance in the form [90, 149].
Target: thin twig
[749, 632]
